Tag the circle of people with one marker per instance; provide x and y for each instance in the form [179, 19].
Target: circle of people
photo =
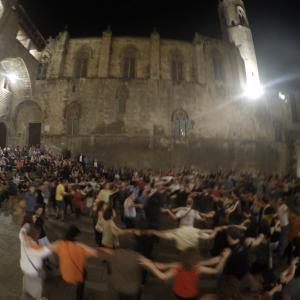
[241, 228]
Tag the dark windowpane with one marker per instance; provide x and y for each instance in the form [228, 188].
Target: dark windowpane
[129, 68]
[177, 69]
[81, 67]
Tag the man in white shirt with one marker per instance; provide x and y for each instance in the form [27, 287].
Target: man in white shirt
[185, 237]
[283, 215]
[187, 215]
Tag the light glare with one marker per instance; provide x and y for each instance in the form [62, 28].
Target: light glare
[253, 91]
[282, 96]
[12, 77]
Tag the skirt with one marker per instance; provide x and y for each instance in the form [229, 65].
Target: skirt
[33, 286]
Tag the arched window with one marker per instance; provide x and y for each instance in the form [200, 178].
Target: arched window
[122, 96]
[242, 16]
[129, 63]
[180, 124]
[82, 61]
[177, 63]
[72, 116]
[218, 66]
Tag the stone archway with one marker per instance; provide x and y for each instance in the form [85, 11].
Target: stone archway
[15, 83]
[3, 135]
[28, 123]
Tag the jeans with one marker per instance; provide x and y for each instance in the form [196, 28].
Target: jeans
[80, 288]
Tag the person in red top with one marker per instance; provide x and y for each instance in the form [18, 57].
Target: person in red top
[185, 273]
[77, 200]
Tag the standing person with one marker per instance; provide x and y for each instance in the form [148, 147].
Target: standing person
[72, 256]
[186, 216]
[38, 220]
[31, 261]
[67, 198]
[59, 199]
[111, 231]
[185, 272]
[283, 214]
[45, 188]
[130, 211]
[98, 208]
[77, 201]
[30, 199]
[104, 194]
[124, 264]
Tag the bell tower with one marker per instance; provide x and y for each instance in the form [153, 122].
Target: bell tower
[235, 29]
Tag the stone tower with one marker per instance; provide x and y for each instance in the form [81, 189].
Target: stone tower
[236, 30]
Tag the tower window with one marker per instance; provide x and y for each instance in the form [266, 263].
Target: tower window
[42, 71]
[242, 16]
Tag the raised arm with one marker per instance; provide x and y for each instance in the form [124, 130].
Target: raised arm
[220, 266]
[170, 273]
[118, 231]
[254, 242]
[288, 275]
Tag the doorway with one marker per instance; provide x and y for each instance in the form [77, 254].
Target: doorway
[2, 135]
[34, 134]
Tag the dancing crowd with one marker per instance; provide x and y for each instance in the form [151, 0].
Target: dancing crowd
[241, 230]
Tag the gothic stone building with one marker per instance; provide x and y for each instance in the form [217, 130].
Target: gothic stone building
[143, 101]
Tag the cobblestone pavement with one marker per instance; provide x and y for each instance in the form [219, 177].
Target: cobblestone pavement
[55, 289]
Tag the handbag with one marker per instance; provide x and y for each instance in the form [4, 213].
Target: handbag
[99, 227]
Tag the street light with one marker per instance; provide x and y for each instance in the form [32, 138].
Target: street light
[253, 91]
[12, 77]
[282, 96]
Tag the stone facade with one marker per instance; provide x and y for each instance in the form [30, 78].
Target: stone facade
[149, 102]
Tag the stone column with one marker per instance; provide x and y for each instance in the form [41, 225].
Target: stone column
[105, 52]
[155, 56]
[56, 67]
[200, 59]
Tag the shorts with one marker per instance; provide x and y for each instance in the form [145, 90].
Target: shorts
[60, 204]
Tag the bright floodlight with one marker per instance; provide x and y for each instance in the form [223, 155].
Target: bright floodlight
[12, 77]
[253, 91]
[282, 96]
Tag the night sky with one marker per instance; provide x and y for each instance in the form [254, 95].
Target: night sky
[275, 25]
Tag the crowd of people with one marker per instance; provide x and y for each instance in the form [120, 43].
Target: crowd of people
[241, 230]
